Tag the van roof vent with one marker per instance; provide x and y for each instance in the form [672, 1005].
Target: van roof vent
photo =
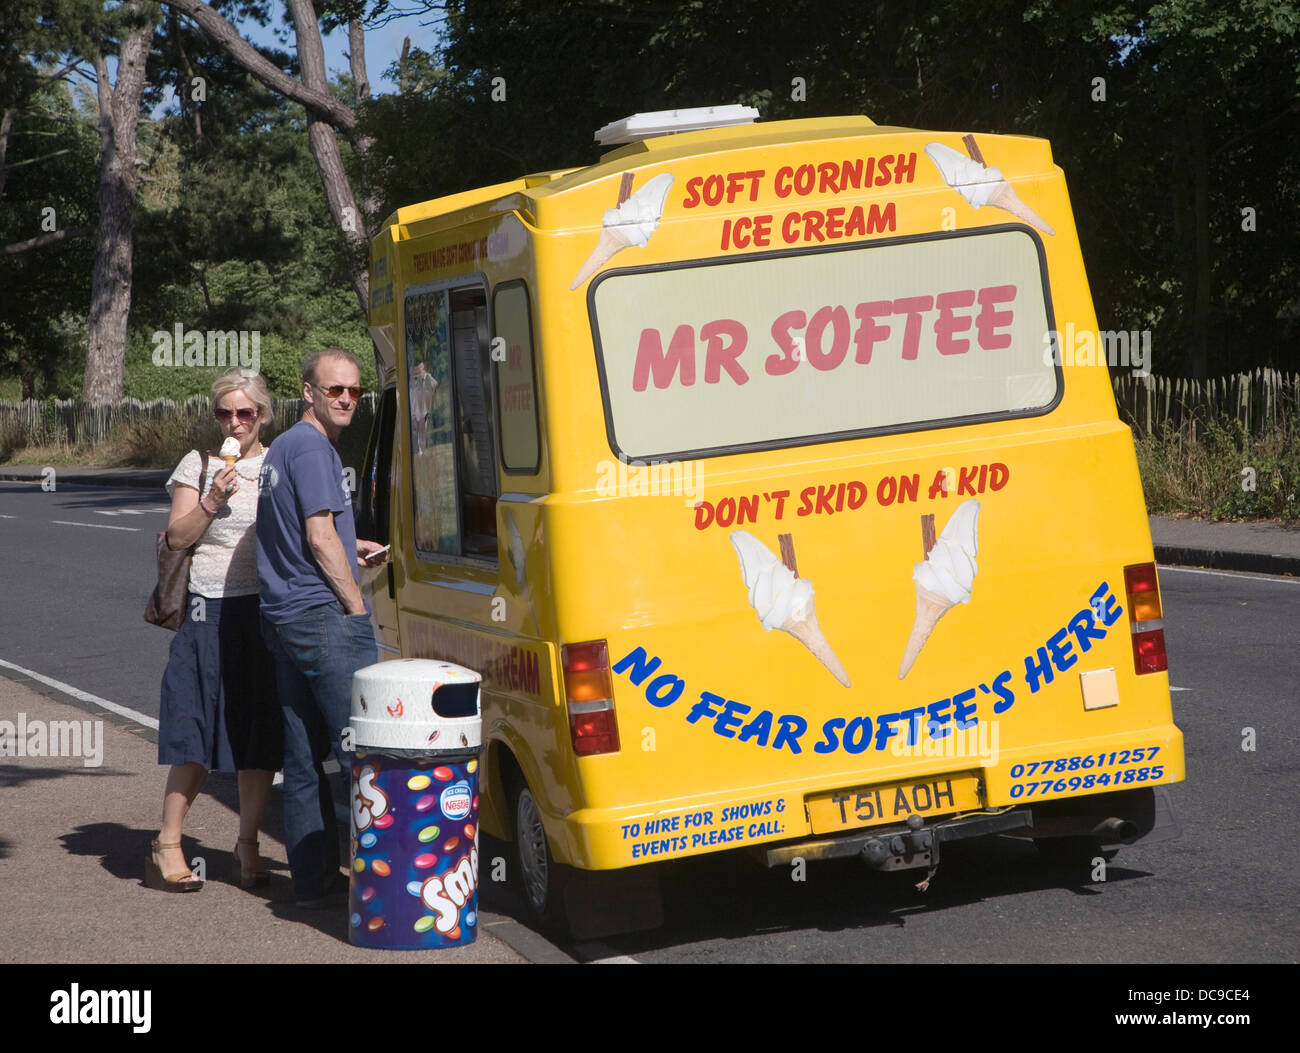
[664, 122]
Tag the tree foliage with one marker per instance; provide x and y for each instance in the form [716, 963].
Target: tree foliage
[1168, 119]
[1173, 121]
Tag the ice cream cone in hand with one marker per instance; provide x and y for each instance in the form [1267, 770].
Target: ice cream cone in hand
[944, 578]
[230, 451]
[782, 600]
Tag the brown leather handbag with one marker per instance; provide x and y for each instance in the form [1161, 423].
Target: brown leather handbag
[167, 604]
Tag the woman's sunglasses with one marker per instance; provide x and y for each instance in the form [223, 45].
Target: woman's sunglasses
[246, 416]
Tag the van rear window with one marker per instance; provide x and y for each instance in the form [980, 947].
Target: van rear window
[784, 349]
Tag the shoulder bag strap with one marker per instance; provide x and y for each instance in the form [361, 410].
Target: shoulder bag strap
[203, 478]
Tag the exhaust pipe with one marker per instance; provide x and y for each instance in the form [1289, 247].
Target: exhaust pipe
[1124, 831]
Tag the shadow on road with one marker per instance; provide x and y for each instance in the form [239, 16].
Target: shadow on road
[728, 896]
[20, 774]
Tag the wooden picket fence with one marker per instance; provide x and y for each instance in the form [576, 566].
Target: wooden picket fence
[1259, 400]
[67, 421]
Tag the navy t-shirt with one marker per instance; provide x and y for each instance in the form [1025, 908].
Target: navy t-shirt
[301, 475]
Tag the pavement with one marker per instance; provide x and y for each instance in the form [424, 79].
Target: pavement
[72, 846]
[74, 834]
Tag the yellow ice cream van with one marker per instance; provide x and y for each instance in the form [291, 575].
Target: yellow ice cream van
[747, 467]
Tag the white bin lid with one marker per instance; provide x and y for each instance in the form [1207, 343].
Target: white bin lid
[393, 706]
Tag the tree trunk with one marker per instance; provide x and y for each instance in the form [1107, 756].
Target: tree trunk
[110, 297]
[6, 124]
[227, 36]
[357, 60]
[184, 73]
[325, 149]
[324, 113]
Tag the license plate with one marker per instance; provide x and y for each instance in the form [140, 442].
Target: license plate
[892, 802]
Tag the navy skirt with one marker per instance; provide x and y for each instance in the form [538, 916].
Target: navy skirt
[219, 705]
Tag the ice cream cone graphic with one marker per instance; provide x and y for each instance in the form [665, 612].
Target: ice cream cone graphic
[631, 222]
[981, 185]
[1005, 197]
[805, 628]
[930, 607]
[612, 240]
[782, 599]
[944, 578]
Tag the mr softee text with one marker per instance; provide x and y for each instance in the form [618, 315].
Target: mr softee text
[824, 337]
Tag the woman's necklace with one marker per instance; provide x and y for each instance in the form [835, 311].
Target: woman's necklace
[251, 456]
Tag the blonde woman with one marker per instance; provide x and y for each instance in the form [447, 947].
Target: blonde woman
[219, 709]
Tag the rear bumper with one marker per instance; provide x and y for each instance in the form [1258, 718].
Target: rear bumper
[1042, 782]
[1112, 819]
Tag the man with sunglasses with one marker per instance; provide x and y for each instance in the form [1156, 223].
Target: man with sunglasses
[313, 615]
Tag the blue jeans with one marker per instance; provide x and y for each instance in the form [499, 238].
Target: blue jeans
[315, 657]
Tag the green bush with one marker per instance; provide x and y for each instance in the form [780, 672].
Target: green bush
[160, 442]
[1222, 472]
[280, 361]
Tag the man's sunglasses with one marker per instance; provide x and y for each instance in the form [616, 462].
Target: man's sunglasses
[335, 390]
[246, 416]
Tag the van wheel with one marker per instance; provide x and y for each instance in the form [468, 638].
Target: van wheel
[1072, 851]
[541, 880]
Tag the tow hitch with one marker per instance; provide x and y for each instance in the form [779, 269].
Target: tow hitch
[908, 846]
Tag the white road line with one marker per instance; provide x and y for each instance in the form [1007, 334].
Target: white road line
[1225, 574]
[97, 526]
[8, 517]
[112, 707]
[86, 696]
[1172, 688]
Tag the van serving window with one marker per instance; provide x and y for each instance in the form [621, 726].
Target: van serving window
[452, 465]
[790, 348]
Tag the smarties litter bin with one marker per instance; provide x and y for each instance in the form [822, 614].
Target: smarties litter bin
[417, 731]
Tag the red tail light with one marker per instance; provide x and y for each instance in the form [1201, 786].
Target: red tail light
[1146, 618]
[589, 692]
